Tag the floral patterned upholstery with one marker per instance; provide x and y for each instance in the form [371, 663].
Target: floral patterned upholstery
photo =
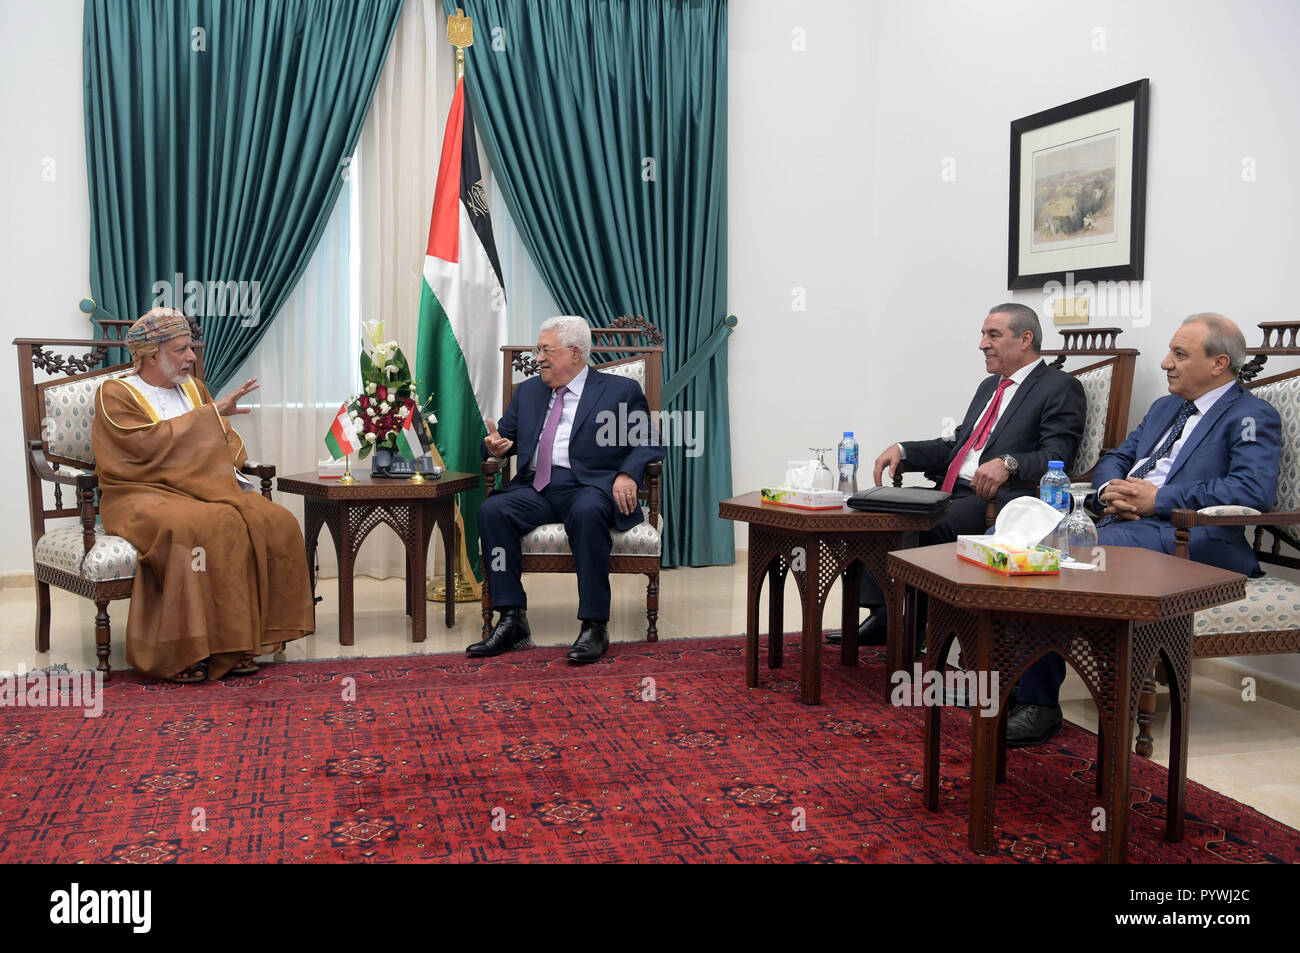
[1228, 511]
[641, 540]
[633, 369]
[1285, 398]
[69, 413]
[1271, 604]
[1096, 390]
[110, 558]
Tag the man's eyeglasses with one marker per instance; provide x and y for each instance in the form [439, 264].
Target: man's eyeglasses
[547, 349]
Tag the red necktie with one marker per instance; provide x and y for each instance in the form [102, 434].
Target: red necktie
[979, 437]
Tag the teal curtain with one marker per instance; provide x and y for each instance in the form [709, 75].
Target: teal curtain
[605, 122]
[217, 132]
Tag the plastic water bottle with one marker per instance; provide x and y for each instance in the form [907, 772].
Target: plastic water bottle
[1054, 490]
[848, 463]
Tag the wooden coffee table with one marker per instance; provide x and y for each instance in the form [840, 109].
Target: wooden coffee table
[820, 546]
[1111, 625]
[351, 512]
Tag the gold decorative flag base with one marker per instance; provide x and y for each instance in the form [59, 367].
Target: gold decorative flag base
[465, 592]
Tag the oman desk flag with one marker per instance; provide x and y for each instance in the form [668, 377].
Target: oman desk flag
[342, 437]
[462, 312]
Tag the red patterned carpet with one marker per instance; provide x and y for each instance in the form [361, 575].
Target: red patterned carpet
[525, 758]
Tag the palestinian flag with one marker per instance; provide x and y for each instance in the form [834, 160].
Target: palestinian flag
[408, 439]
[462, 312]
[342, 437]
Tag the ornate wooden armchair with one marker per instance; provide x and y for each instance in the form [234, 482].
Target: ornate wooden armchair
[57, 415]
[1267, 621]
[630, 347]
[1107, 378]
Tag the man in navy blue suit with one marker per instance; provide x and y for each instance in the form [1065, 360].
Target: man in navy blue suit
[576, 468]
[1210, 442]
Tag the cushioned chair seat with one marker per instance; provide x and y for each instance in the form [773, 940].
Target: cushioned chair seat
[110, 558]
[1271, 604]
[551, 540]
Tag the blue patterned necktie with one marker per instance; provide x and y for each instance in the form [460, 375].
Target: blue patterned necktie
[1149, 464]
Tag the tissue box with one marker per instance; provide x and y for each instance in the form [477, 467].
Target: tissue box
[986, 551]
[803, 499]
[331, 469]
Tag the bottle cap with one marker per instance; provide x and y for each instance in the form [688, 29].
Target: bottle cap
[848, 433]
[1056, 464]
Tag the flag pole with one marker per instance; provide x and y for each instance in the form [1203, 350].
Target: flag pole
[460, 34]
[347, 479]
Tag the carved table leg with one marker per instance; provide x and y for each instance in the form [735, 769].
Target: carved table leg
[313, 519]
[1116, 734]
[984, 739]
[1146, 713]
[753, 590]
[776, 613]
[933, 715]
[447, 515]
[416, 560]
[811, 681]
[1180, 696]
[345, 545]
[851, 580]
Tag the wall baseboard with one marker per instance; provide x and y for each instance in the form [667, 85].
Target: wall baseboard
[1267, 687]
[17, 580]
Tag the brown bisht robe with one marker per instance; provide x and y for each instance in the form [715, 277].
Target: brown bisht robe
[222, 571]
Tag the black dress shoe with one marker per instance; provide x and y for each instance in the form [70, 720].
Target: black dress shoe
[593, 642]
[1032, 724]
[511, 630]
[872, 631]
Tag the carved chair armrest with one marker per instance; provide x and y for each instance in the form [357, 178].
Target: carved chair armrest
[265, 473]
[653, 479]
[491, 467]
[1184, 520]
[82, 481]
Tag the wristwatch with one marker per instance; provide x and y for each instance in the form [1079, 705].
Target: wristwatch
[1010, 463]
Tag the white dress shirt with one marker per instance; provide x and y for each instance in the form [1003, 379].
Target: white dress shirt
[171, 402]
[1160, 472]
[560, 450]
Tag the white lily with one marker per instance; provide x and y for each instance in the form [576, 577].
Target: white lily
[372, 336]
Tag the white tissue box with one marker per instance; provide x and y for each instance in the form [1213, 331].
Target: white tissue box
[991, 553]
[329, 469]
[803, 499]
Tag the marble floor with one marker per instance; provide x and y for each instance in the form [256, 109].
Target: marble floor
[1247, 750]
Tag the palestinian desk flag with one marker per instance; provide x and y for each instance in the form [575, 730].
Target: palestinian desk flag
[462, 312]
[342, 437]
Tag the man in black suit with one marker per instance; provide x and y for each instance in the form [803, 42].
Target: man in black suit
[1024, 415]
[576, 468]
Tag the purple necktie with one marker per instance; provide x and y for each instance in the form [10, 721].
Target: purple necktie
[546, 445]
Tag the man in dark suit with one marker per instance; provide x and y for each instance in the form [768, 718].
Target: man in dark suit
[576, 468]
[1210, 442]
[1024, 415]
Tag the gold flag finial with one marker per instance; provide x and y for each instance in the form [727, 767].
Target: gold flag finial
[460, 34]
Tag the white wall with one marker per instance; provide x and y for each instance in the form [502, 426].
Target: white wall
[835, 167]
[45, 235]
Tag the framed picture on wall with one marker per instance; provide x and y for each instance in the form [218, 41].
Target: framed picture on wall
[1078, 190]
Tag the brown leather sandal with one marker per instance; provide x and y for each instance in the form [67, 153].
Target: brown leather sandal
[198, 672]
[247, 666]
